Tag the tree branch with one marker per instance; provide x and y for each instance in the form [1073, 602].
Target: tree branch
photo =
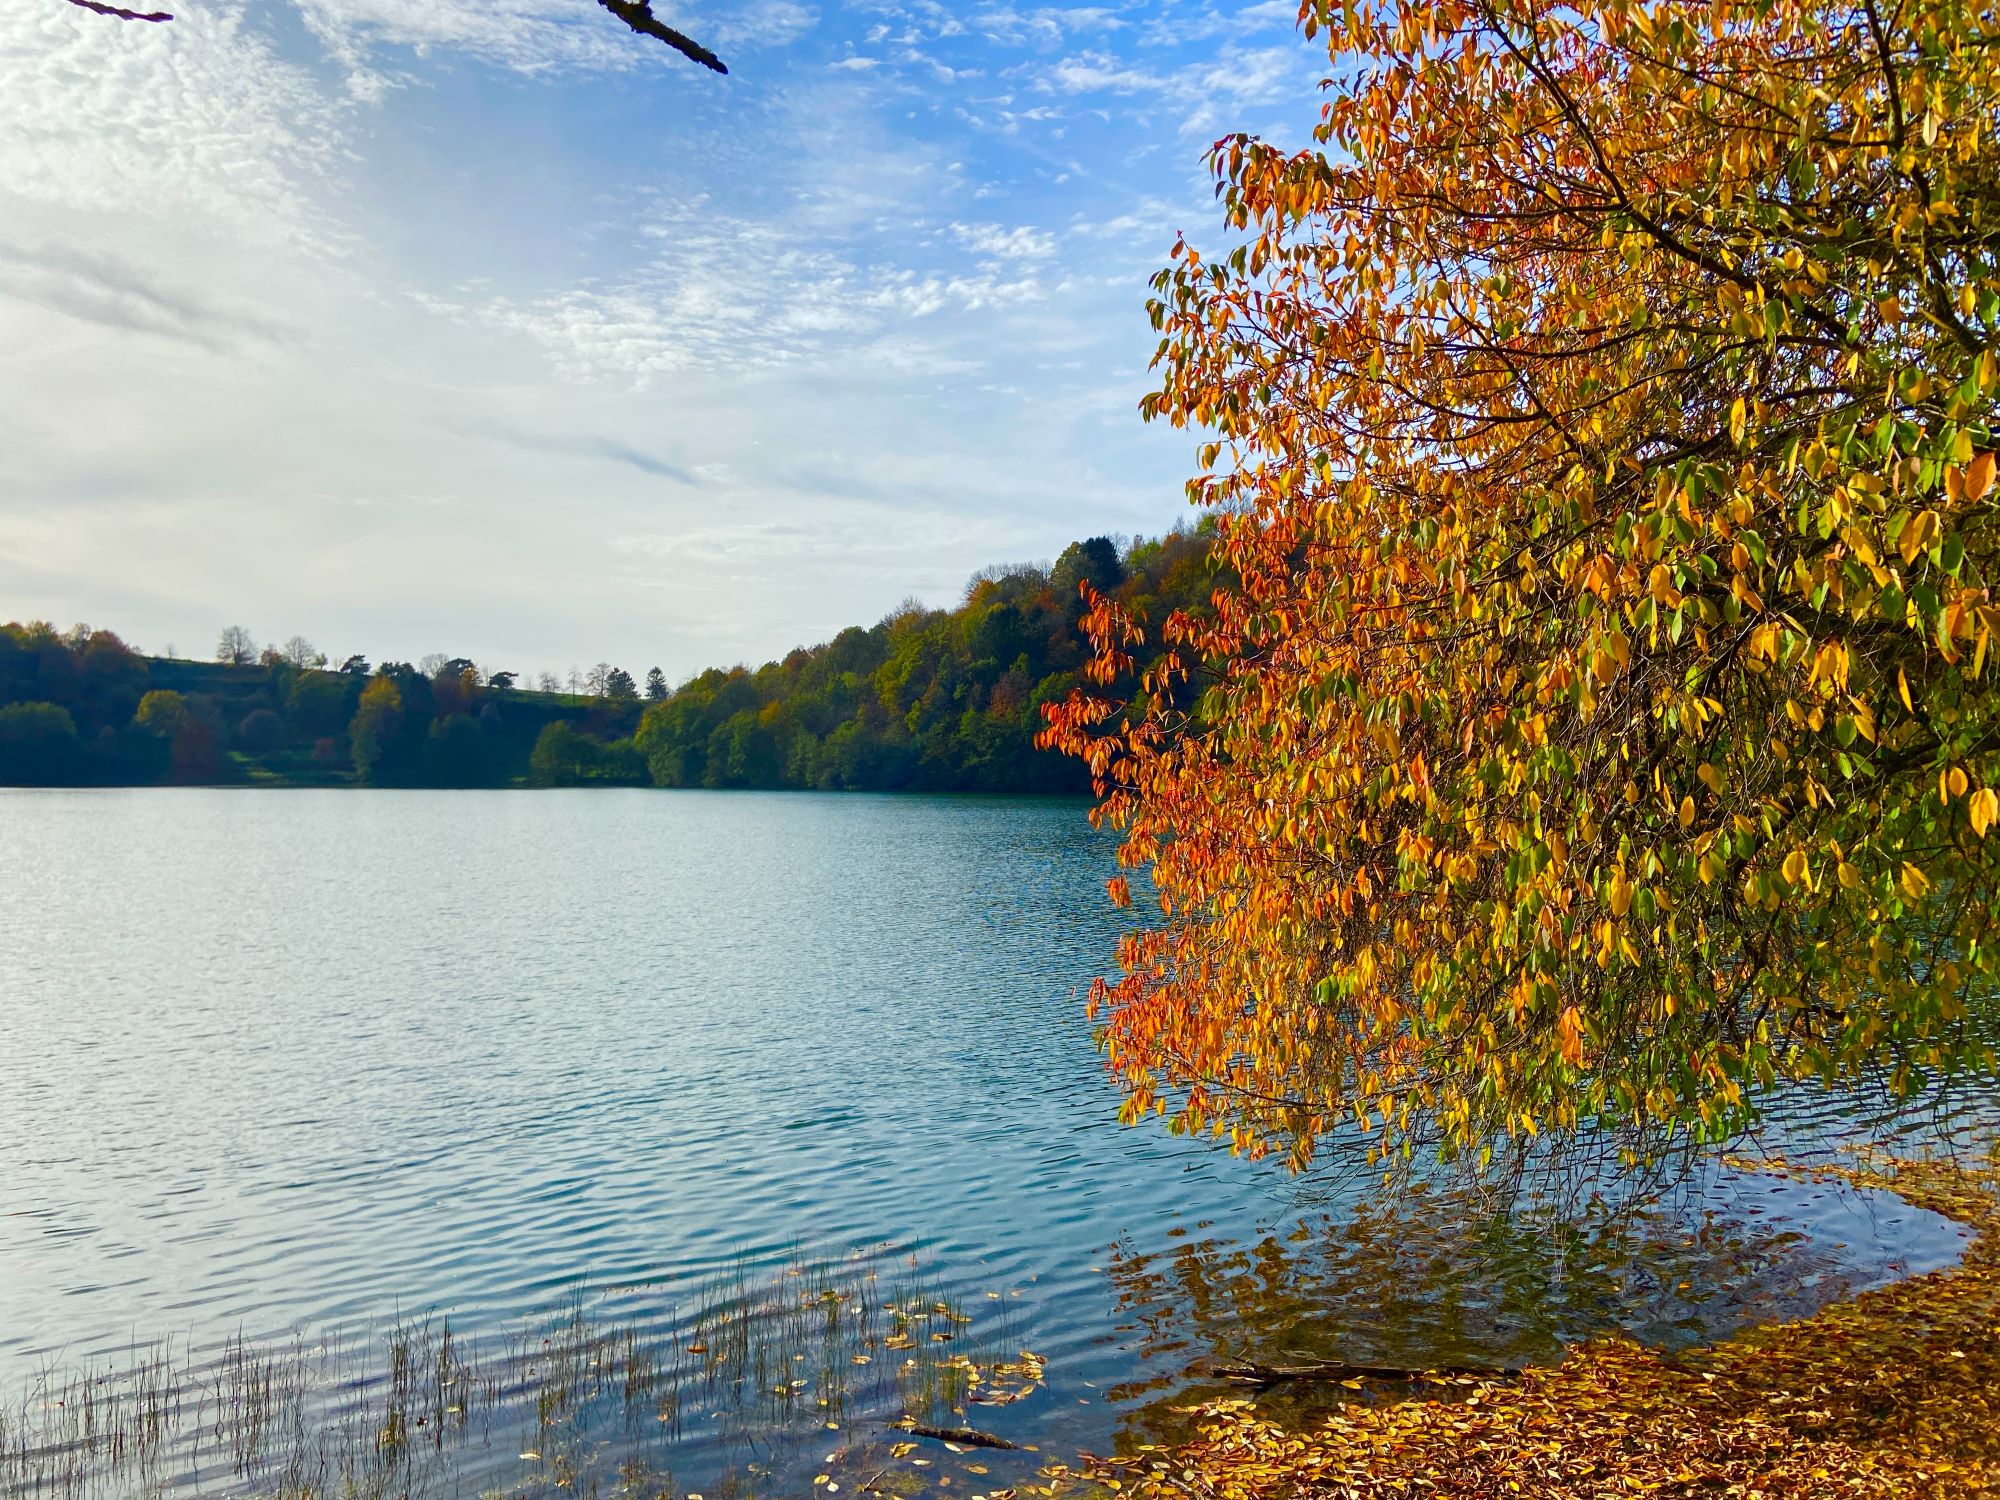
[638, 14]
[123, 14]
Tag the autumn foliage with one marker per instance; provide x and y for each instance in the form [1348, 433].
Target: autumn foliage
[1597, 725]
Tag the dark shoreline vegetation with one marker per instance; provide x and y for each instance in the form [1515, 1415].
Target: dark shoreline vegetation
[924, 700]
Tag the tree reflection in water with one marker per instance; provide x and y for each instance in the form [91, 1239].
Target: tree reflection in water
[1438, 1275]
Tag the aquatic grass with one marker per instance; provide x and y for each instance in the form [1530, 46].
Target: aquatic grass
[584, 1400]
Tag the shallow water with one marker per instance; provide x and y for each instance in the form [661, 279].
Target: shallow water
[274, 1061]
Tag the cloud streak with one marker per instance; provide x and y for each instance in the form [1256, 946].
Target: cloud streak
[115, 293]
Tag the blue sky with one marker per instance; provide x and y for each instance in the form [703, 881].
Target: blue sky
[483, 326]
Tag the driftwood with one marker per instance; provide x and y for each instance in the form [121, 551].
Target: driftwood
[970, 1437]
[1247, 1372]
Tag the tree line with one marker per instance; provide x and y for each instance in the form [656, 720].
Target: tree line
[925, 699]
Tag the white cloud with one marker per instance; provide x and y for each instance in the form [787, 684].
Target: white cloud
[1000, 243]
[199, 122]
[1047, 24]
[1209, 94]
[763, 23]
[530, 35]
[1098, 72]
[718, 291]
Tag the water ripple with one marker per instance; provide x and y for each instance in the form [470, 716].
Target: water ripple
[278, 1061]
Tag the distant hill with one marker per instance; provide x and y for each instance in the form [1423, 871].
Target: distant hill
[930, 700]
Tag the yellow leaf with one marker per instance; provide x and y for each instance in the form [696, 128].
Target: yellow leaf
[1979, 476]
[1687, 812]
[1795, 866]
[1983, 809]
[1910, 540]
[1569, 1038]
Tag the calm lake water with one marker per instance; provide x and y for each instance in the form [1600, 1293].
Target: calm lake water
[280, 1063]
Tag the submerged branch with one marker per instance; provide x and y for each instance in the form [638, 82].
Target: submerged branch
[1247, 1372]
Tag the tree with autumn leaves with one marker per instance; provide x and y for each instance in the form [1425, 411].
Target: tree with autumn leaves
[1599, 724]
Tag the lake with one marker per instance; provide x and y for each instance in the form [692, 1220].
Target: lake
[304, 1066]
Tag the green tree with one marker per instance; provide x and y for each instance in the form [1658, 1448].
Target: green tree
[377, 724]
[318, 703]
[1094, 562]
[742, 751]
[456, 753]
[564, 757]
[161, 712]
[38, 745]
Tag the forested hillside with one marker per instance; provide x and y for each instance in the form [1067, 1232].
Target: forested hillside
[933, 700]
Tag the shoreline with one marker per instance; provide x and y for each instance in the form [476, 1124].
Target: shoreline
[1892, 1392]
